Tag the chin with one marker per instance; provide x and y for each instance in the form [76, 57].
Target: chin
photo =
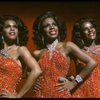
[53, 37]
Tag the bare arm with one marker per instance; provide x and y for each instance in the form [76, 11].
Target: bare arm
[35, 70]
[38, 53]
[90, 65]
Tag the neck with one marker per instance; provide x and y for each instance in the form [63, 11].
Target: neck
[52, 46]
[7, 45]
[92, 45]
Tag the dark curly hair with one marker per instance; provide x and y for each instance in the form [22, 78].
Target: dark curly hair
[37, 28]
[77, 36]
[23, 31]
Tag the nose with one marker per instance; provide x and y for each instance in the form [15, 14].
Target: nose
[51, 26]
[11, 28]
[90, 29]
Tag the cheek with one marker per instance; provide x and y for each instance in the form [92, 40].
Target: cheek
[85, 33]
[45, 31]
[16, 30]
[6, 31]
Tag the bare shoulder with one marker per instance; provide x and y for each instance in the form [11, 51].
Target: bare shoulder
[37, 53]
[22, 49]
[68, 44]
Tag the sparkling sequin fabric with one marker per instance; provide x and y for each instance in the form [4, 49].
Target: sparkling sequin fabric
[53, 68]
[91, 87]
[10, 74]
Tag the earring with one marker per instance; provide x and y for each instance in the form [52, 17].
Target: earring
[43, 40]
[17, 40]
[82, 42]
[2, 38]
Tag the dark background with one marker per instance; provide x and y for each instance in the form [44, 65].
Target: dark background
[68, 11]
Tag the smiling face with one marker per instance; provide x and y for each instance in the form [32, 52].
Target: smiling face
[10, 29]
[88, 31]
[50, 28]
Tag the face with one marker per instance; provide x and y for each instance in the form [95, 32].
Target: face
[10, 29]
[88, 30]
[50, 28]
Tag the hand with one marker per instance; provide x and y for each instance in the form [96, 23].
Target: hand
[65, 85]
[37, 86]
[6, 94]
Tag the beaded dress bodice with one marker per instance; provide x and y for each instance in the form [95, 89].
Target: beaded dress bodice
[54, 66]
[10, 72]
[91, 87]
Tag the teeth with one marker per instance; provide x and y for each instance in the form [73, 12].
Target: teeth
[91, 34]
[12, 33]
[53, 32]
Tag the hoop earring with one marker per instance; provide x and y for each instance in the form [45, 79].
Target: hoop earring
[17, 40]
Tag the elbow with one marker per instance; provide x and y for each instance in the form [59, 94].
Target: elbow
[38, 72]
[94, 64]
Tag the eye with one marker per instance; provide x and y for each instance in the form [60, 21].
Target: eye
[6, 26]
[54, 24]
[15, 26]
[44, 26]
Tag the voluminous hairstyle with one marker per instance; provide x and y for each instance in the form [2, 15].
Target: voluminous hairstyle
[37, 28]
[77, 36]
[23, 31]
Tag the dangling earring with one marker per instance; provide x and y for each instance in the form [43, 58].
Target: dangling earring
[43, 40]
[82, 42]
[17, 40]
[2, 38]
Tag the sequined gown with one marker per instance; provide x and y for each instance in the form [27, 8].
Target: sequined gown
[10, 74]
[91, 87]
[52, 69]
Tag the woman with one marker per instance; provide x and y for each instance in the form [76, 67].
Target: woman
[86, 34]
[13, 37]
[54, 58]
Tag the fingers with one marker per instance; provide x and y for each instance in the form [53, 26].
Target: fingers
[4, 94]
[37, 86]
[63, 86]
[5, 90]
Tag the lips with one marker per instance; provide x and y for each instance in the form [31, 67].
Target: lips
[53, 32]
[12, 33]
[92, 33]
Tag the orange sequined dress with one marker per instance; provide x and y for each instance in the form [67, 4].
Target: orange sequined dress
[10, 74]
[52, 69]
[91, 87]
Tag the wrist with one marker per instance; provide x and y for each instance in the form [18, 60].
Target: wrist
[78, 79]
[75, 83]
